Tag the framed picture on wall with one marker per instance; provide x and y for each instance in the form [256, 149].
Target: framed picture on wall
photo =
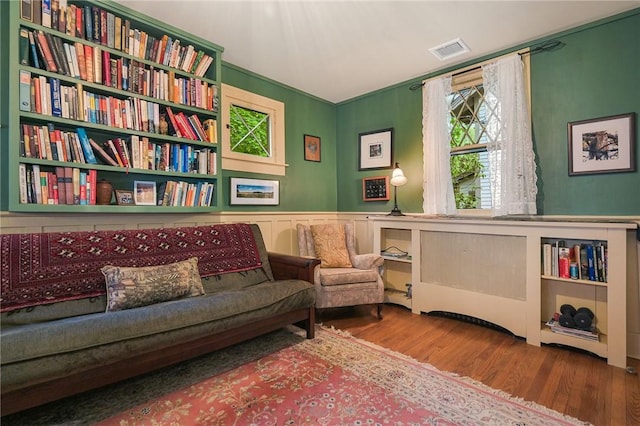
[375, 149]
[602, 145]
[255, 192]
[375, 188]
[311, 148]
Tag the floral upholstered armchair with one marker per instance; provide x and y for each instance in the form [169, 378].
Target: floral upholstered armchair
[343, 278]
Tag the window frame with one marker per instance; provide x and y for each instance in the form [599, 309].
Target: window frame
[471, 76]
[274, 164]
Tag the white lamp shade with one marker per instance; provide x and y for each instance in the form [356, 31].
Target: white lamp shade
[397, 177]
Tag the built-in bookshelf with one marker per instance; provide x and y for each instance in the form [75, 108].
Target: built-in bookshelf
[104, 93]
[496, 271]
[575, 272]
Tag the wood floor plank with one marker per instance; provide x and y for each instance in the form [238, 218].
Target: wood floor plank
[571, 382]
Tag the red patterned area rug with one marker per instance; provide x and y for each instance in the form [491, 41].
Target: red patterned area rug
[336, 379]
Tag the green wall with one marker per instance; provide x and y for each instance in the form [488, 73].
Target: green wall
[307, 185]
[595, 74]
[400, 109]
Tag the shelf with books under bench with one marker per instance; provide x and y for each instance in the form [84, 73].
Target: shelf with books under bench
[493, 270]
[105, 93]
[575, 275]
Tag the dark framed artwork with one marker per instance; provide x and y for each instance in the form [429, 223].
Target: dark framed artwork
[125, 198]
[375, 149]
[375, 188]
[602, 145]
[311, 148]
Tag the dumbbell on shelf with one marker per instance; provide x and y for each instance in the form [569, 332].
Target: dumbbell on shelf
[581, 318]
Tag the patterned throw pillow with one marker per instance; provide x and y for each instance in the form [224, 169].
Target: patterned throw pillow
[330, 245]
[132, 287]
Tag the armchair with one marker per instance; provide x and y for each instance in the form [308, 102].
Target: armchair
[343, 278]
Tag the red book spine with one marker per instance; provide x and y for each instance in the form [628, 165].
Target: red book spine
[185, 127]
[53, 188]
[106, 68]
[92, 180]
[68, 184]
[46, 50]
[174, 123]
[118, 147]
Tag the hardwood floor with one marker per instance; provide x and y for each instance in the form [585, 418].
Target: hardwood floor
[568, 381]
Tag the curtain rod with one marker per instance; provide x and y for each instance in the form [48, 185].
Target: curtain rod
[550, 45]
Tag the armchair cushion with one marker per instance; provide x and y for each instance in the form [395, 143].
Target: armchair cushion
[330, 245]
[341, 276]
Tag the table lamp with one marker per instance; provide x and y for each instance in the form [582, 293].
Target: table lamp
[397, 179]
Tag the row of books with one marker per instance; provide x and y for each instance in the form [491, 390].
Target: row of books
[100, 26]
[45, 51]
[47, 96]
[591, 334]
[584, 261]
[49, 143]
[64, 185]
[72, 186]
[185, 194]
[139, 153]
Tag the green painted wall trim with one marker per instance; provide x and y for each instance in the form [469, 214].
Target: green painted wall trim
[4, 105]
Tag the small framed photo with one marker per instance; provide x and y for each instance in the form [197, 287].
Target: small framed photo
[602, 145]
[144, 193]
[26, 10]
[255, 192]
[375, 149]
[125, 198]
[375, 188]
[311, 148]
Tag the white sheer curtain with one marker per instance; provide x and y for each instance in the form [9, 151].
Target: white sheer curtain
[437, 186]
[511, 158]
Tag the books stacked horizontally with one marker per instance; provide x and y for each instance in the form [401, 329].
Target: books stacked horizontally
[591, 334]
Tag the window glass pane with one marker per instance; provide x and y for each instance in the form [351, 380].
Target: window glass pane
[468, 116]
[249, 131]
[469, 159]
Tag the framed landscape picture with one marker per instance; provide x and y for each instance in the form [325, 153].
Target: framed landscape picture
[375, 149]
[255, 192]
[602, 145]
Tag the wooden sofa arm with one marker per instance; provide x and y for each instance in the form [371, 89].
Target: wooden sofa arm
[286, 266]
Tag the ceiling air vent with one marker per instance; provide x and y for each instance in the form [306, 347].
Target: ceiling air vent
[450, 49]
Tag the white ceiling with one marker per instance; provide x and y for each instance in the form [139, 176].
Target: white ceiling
[338, 50]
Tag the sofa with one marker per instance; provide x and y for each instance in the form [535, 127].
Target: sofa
[85, 309]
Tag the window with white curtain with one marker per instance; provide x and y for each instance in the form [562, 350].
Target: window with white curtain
[478, 152]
